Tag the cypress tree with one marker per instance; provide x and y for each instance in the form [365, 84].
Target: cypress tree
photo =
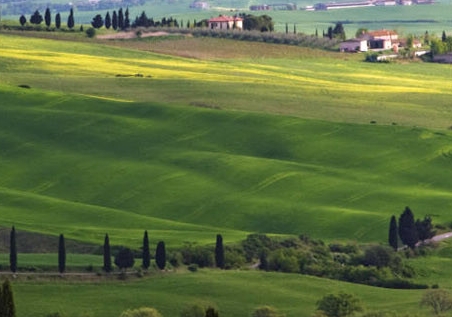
[287, 28]
[393, 236]
[160, 255]
[294, 28]
[70, 19]
[146, 254]
[444, 36]
[126, 19]
[114, 21]
[58, 20]
[48, 17]
[120, 19]
[22, 20]
[107, 255]
[9, 309]
[219, 252]
[107, 20]
[61, 255]
[13, 251]
[407, 228]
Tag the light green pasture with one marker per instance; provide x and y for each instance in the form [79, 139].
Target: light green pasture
[341, 88]
[234, 293]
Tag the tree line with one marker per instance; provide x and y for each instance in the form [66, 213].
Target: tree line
[123, 259]
[36, 18]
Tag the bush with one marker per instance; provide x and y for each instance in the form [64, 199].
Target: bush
[141, 312]
[267, 311]
[91, 32]
[195, 310]
[340, 305]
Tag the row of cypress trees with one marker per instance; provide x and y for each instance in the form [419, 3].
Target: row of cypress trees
[36, 18]
[125, 257]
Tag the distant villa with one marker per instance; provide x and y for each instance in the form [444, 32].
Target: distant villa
[365, 3]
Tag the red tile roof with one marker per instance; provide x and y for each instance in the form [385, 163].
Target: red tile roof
[382, 33]
[222, 18]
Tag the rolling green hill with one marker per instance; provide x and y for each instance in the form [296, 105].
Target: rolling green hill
[239, 138]
[99, 158]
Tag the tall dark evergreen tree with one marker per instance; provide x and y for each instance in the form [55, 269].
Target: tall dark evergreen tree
[393, 235]
[330, 32]
[146, 253]
[58, 20]
[107, 20]
[126, 19]
[294, 29]
[9, 309]
[287, 28]
[114, 21]
[22, 20]
[61, 255]
[107, 255]
[120, 19]
[48, 17]
[407, 228]
[444, 36]
[70, 19]
[13, 251]
[160, 255]
[36, 18]
[219, 252]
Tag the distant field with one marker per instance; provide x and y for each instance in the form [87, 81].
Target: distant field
[217, 145]
[405, 19]
[235, 293]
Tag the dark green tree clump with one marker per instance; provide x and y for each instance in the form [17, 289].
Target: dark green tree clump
[124, 259]
[393, 234]
[340, 305]
[97, 22]
[146, 254]
[13, 251]
[424, 228]
[107, 255]
[263, 23]
[407, 228]
[61, 255]
[36, 18]
[219, 252]
[160, 255]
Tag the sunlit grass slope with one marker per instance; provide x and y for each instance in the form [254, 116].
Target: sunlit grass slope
[234, 293]
[306, 83]
[85, 166]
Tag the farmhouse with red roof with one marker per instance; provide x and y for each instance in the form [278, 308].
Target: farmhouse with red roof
[225, 23]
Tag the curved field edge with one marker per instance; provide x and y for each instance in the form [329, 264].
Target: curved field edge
[84, 166]
[235, 293]
[305, 83]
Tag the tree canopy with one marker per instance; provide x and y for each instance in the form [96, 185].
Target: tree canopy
[124, 259]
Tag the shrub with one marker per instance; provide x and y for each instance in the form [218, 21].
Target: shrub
[267, 311]
[91, 32]
[195, 310]
[340, 305]
[141, 312]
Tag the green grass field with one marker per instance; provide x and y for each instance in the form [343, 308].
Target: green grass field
[277, 141]
[235, 293]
